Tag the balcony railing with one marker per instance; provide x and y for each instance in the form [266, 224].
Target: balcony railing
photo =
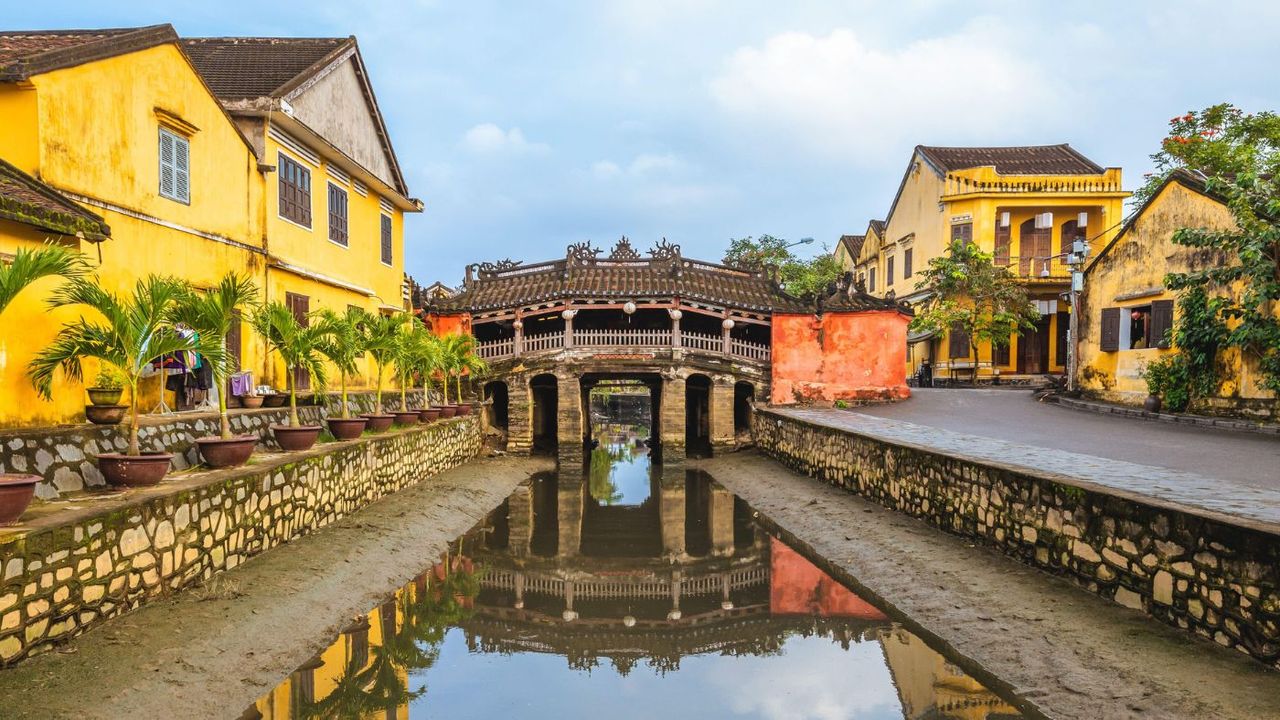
[1048, 269]
[623, 339]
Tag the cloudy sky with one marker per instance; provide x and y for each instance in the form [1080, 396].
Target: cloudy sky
[525, 126]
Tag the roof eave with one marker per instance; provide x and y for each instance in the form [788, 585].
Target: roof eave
[139, 39]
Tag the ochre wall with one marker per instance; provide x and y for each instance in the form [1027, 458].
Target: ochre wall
[798, 587]
[840, 356]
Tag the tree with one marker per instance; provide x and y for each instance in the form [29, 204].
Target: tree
[29, 266]
[802, 278]
[458, 359]
[343, 344]
[211, 314]
[1238, 154]
[131, 331]
[970, 293]
[382, 342]
[297, 345]
[406, 357]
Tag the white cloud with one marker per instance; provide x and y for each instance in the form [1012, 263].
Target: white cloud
[642, 165]
[606, 169]
[489, 138]
[836, 95]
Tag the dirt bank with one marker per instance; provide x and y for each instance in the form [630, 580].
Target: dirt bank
[212, 651]
[1070, 653]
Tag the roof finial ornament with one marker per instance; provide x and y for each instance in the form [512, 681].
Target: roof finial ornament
[624, 251]
[582, 253]
[665, 250]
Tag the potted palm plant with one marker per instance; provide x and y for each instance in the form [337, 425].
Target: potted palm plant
[107, 388]
[343, 345]
[428, 355]
[131, 331]
[462, 360]
[211, 315]
[381, 336]
[405, 360]
[26, 267]
[298, 345]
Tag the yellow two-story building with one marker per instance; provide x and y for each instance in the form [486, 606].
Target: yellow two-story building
[1026, 206]
[187, 183]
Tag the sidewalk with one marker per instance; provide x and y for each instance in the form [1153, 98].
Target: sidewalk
[1202, 421]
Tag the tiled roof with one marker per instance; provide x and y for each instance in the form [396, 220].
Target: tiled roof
[31, 52]
[26, 200]
[853, 244]
[623, 275]
[1017, 160]
[251, 67]
[845, 301]
[877, 226]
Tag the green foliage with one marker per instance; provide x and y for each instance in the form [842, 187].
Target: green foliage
[211, 314]
[1239, 154]
[406, 356]
[344, 343]
[1198, 335]
[458, 358]
[108, 378]
[802, 278]
[297, 345]
[1169, 379]
[968, 290]
[29, 266]
[129, 332]
[382, 342]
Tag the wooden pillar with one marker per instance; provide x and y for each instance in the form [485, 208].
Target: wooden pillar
[569, 422]
[570, 495]
[519, 414]
[675, 315]
[520, 521]
[671, 427]
[517, 345]
[725, 328]
[721, 402]
[568, 316]
[677, 579]
[720, 521]
[671, 512]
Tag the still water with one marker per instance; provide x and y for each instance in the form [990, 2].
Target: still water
[627, 591]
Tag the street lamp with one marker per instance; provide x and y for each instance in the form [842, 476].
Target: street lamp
[801, 241]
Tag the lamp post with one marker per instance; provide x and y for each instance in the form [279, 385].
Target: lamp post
[1075, 260]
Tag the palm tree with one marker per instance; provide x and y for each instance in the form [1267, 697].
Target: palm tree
[344, 344]
[297, 345]
[460, 359]
[430, 360]
[133, 331]
[381, 341]
[211, 314]
[407, 353]
[29, 266]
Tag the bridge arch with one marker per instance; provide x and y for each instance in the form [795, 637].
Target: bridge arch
[744, 394]
[697, 409]
[497, 409]
[544, 395]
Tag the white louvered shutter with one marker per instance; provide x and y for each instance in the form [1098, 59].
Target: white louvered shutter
[181, 169]
[168, 180]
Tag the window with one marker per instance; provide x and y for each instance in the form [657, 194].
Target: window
[871, 280]
[295, 191]
[888, 271]
[1137, 328]
[175, 167]
[386, 239]
[906, 263]
[337, 215]
[962, 232]
[958, 342]
[1002, 239]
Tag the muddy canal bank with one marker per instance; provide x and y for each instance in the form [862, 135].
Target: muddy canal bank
[1071, 653]
[222, 646]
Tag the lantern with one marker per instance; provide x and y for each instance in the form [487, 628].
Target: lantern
[518, 324]
[629, 621]
[728, 324]
[568, 314]
[675, 314]
[629, 308]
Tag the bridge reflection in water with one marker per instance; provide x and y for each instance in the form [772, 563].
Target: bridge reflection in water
[627, 591]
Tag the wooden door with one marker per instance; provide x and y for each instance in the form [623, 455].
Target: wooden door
[301, 307]
[1034, 246]
[1033, 348]
[233, 350]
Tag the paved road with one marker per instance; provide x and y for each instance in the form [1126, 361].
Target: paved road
[1014, 416]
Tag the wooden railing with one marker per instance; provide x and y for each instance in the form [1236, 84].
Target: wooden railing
[535, 582]
[699, 342]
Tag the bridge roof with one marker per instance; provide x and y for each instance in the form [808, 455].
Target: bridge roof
[624, 275]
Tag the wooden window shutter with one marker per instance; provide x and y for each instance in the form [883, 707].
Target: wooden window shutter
[1110, 339]
[182, 169]
[962, 232]
[1060, 339]
[906, 263]
[168, 170]
[1070, 232]
[888, 271]
[1002, 243]
[386, 240]
[1161, 323]
[958, 342]
[1001, 354]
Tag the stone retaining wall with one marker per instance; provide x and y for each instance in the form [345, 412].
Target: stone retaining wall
[63, 455]
[1218, 579]
[76, 568]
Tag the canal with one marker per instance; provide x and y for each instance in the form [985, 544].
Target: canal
[628, 590]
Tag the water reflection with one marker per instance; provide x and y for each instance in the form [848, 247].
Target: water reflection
[606, 595]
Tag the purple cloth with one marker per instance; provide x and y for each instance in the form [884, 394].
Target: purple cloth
[241, 383]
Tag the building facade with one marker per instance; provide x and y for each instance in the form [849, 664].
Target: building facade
[1024, 205]
[124, 123]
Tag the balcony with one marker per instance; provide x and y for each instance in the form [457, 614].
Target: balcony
[1043, 269]
[723, 345]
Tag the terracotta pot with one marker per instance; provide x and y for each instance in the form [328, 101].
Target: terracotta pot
[105, 414]
[134, 470]
[1152, 404]
[464, 408]
[347, 428]
[16, 492]
[448, 411]
[105, 396]
[275, 400]
[379, 422]
[407, 417]
[296, 437]
[232, 452]
[252, 401]
[429, 415]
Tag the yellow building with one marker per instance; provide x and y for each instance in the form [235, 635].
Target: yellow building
[1126, 310]
[122, 122]
[867, 258]
[847, 250]
[1025, 205]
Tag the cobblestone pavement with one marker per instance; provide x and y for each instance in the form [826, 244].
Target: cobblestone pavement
[1247, 485]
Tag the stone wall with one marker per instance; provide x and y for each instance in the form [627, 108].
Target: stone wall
[1196, 571]
[71, 570]
[63, 455]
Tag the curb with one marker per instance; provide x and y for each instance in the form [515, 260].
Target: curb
[1192, 420]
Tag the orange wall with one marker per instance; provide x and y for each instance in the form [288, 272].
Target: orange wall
[842, 356]
[798, 587]
[443, 325]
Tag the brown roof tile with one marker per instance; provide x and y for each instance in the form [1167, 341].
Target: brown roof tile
[26, 200]
[877, 226]
[31, 52]
[853, 244]
[251, 67]
[1016, 160]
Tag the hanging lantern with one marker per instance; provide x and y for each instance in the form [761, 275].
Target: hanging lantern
[629, 308]
[629, 621]
[568, 314]
[518, 324]
[675, 314]
[1136, 314]
[728, 324]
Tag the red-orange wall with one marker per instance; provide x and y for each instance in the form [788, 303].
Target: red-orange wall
[448, 324]
[798, 587]
[854, 356]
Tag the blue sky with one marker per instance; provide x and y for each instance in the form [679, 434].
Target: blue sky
[527, 126]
